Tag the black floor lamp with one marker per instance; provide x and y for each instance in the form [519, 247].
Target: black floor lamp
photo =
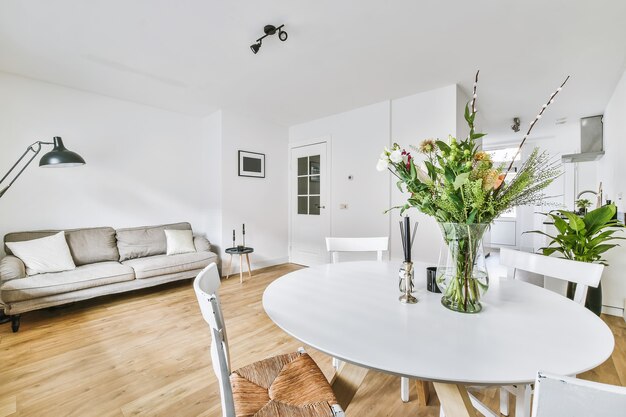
[58, 157]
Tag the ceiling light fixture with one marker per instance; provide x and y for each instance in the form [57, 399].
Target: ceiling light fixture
[516, 124]
[269, 30]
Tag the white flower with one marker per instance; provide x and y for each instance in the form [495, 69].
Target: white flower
[405, 158]
[396, 156]
[382, 164]
[422, 175]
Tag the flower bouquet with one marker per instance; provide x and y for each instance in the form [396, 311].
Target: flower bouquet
[464, 190]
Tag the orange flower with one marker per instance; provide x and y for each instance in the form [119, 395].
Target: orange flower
[499, 181]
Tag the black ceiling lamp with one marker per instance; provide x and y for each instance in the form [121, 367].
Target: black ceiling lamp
[58, 157]
[269, 30]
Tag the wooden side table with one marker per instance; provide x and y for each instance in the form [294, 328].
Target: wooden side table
[239, 251]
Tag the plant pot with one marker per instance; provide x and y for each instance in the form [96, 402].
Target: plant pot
[462, 272]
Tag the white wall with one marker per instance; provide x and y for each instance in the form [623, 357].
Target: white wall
[432, 114]
[143, 164]
[358, 138]
[212, 149]
[260, 203]
[612, 173]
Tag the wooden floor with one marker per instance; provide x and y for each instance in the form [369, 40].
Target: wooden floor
[146, 354]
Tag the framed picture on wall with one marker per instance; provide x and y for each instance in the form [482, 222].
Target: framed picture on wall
[251, 164]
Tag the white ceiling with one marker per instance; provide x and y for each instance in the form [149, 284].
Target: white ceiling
[193, 56]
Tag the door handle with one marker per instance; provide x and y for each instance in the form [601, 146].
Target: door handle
[321, 207]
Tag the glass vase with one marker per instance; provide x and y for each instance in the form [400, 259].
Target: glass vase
[462, 271]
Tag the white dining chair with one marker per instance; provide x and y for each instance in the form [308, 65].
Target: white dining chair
[518, 264]
[336, 245]
[557, 396]
[308, 392]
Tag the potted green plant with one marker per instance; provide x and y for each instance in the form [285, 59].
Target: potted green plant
[583, 204]
[584, 239]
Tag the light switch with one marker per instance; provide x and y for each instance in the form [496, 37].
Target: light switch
[343, 206]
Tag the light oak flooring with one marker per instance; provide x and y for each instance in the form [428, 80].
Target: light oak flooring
[146, 354]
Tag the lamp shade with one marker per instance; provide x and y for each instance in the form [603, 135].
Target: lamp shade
[60, 157]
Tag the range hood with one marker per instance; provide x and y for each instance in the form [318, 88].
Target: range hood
[591, 142]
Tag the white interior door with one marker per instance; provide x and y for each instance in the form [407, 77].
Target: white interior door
[310, 210]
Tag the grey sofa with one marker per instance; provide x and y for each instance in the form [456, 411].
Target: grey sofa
[108, 261]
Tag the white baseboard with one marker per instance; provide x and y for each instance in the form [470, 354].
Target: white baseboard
[254, 265]
[613, 311]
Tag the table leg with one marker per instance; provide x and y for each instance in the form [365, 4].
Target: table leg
[240, 269]
[454, 400]
[248, 261]
[346, 382]
[423, 392]
[230, 265]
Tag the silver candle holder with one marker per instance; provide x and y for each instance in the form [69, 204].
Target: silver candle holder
[406, 283]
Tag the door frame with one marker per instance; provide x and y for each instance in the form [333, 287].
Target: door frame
[327, 139]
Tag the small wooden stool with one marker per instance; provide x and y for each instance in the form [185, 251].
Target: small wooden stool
[239, 251]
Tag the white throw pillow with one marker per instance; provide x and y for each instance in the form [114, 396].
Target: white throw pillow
[47, 254]
[179, 241]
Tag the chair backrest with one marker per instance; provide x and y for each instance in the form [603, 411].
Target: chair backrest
[206, 285]
[571, 397]
[334, 245]
[583, 274]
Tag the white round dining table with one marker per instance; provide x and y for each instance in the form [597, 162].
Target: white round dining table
[351, 311]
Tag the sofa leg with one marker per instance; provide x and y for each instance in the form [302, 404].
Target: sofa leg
[15, 322]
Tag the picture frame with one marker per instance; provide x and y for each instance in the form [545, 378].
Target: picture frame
[251, 164]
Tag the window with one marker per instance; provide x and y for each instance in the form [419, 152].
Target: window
[309, 185]
[503, 155]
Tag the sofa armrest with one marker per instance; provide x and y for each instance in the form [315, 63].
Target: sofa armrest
[11, 267]
[202, 244]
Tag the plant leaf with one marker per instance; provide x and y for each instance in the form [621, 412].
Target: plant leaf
[560, 224]
[461, 180]
[444, 148]
[576, 223]
[597, 218]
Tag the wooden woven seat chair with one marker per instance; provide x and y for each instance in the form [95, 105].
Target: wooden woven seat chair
[284, 385]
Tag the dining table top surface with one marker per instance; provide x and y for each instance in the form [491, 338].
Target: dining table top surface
[351, 311]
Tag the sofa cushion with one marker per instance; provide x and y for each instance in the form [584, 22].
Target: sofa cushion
[153, 266]
[86, 276]
[138, 242]
[90, 245]
[44, 255]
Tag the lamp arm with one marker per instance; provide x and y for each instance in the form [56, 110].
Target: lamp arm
[35, 148]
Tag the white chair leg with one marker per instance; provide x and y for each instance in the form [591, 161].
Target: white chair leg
[522, 401]
[504, 402]
[404, 389]
[337, 363]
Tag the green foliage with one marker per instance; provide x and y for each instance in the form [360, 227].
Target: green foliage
[583, 203]
[583, 238]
